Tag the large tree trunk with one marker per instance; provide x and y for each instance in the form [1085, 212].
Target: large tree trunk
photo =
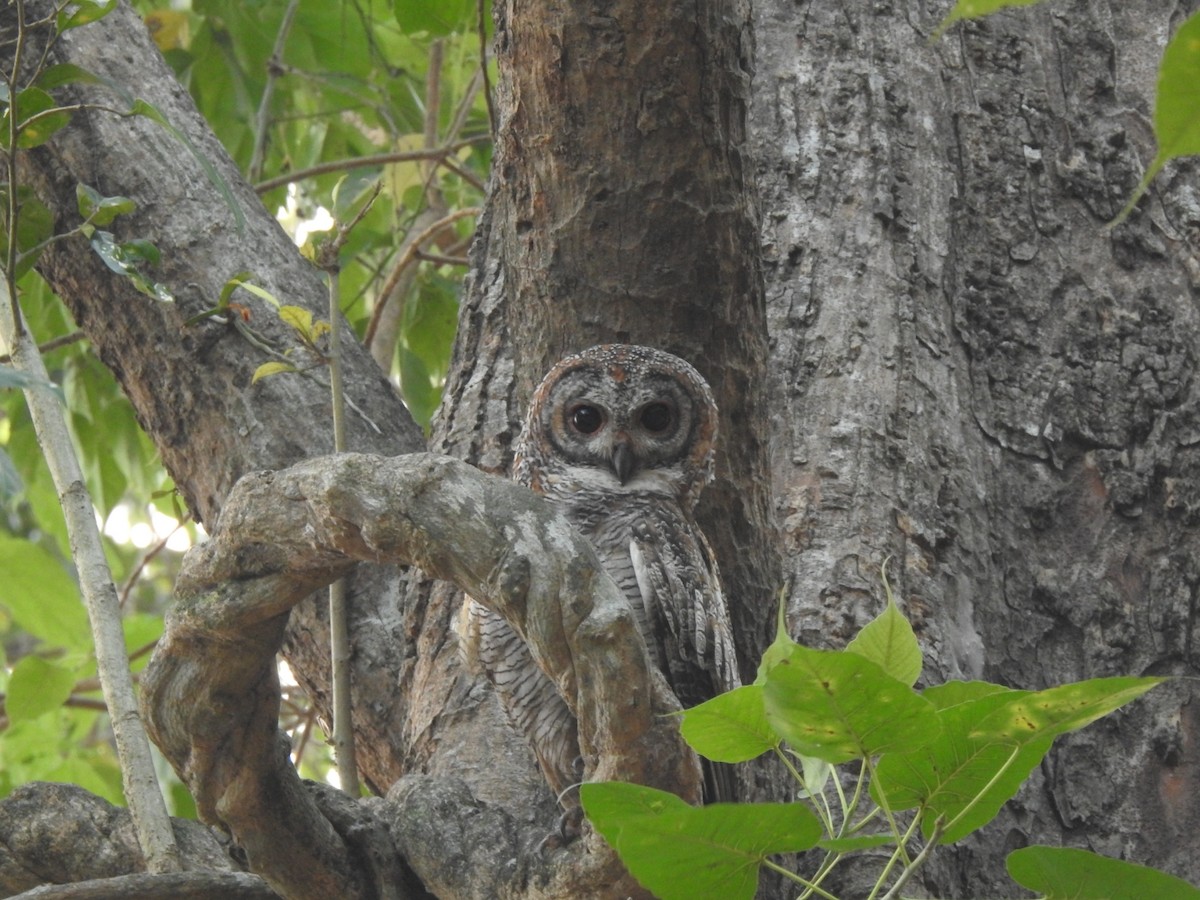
[563, 262]
[980, 379]
[967, 371]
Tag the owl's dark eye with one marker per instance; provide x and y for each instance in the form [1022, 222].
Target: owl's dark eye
[585, 419]
[657, 417]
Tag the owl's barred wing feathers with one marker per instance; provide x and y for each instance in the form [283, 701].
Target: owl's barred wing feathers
[685, 611]
[529, 697]
[687, 619]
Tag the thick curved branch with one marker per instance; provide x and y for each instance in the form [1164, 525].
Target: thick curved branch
[211, 695]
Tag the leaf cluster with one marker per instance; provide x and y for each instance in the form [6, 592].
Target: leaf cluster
[920, 769]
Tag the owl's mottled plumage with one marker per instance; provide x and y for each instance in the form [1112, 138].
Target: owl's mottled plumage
[622, 438]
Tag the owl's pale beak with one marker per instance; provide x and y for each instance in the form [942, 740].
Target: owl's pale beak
[622, 459]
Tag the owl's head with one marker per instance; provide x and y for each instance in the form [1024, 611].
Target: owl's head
[622, 418]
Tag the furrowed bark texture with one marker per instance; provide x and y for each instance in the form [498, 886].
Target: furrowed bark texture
[979, 378]
[620, 209]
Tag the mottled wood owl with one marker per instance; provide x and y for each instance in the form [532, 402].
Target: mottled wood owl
[622, 438]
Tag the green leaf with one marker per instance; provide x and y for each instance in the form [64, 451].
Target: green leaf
[64, 73]
[42, 598]
[124, 259]
[839, 706]
[301, 321]
[1065, 873]
[84, 12]
[274, 367]
[420, 394]
[853, 844]
[110, 251]
[237, 281]
[37, 686]
[98, 209]
[965, 776]
[435, 17]
[975, 9]
[731, 727]
[140, 630]
[10, 485]
[1176, 124]
[247, 284]
[35, 226]
[12, 378]
[38, 118]
[1057, 710]
[781, 648]
[682, 851]
[888, 640]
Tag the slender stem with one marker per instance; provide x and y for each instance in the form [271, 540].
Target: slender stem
[339, 625]
[413, 245]
[274, 69]
[809, 886]
[433, 93]
[442, 260]
[1012, 757]
[887, 813]
[10, 161]
[917, 862]
[146, 806]
[481, 25]
[821, 808]
[901, 851]
[52, 345]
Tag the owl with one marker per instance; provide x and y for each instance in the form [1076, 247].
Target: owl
[622, 439]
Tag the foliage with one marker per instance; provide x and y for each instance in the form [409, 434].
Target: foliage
[929, 768]
[321, 104]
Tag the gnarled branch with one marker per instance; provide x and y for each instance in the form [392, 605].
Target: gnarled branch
[211, 695]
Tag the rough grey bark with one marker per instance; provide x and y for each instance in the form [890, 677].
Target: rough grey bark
[977, 377]
[45, 825]
[620, 208]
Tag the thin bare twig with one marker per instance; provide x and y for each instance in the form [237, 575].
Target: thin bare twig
[481, 25]
[339, 627]
[470, 177]
[274, 70]
[442, 260]
[53, 344]
[407, 258]
[362, 162]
